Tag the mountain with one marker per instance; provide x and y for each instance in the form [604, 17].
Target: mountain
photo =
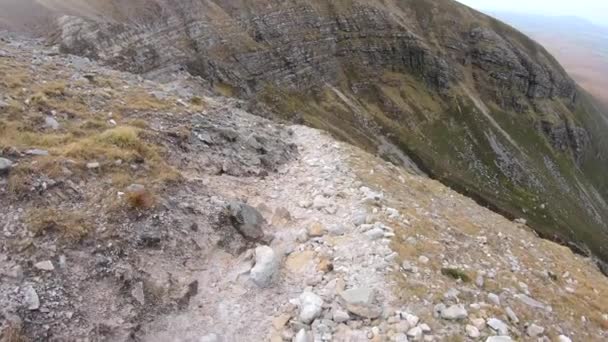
[581, 46]
[133, 210]
[157, 182]
[475, 103]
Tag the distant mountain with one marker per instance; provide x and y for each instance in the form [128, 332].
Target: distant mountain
[580, 45]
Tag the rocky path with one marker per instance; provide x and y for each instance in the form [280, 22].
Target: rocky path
[365, 251]
[316, 209]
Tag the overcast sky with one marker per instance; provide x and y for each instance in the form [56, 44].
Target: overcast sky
[594, 10]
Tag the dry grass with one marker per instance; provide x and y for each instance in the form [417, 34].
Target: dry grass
[139, 100]
[71, 225]
[456, 274]
[141, 199]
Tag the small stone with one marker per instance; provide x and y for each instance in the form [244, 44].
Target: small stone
[360, 302]
[479, 323]
[402, 327]
[138, 293]
[341, 316]
[499, 326]
[563, 338]
[310, 307]
[305, 204]
[472, 331]
[51, 123]
[5, 165]
[375, 233]
[494, 299]
[423, 259]
[37, 152]
[31, 298]
[499, 339]
[209, 338]
[319, 202]
[316, 230]
[412, 319]
[45, 265]
[93, 165]
[301, 336]
[425, 328]
[266, 265]
[415, 333]
[511, 315]
[401, 337]
[479, 281]
[325, 265]
[534, 330]
[454, 312]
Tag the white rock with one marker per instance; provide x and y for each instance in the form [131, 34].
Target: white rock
[401, 337]
[45, 265]
[392, 213]
[341, 316]
[375, 233]
[31, 298]
[423, 259]
[425, 328]
[305, 204]
[499, 326]
[511, 315]
[494, 299]
[51, 123]
[209, 338]
[138, 293]
[472, 331]
[310, 307]
[479, 281]
[415, 333]
[563, 338]
[266, 265]
[499, 339]
[412, 319]
[93, 165]
[534, 330]
[301, 336]
[319, 202]
[454, 312]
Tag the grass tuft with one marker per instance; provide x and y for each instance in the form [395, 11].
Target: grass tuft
[456, 274]
[71, 225]
[141, 199]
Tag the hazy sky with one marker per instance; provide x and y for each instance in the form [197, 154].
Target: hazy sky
[594, 10]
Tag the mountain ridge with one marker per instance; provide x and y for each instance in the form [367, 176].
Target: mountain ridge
[449, 86]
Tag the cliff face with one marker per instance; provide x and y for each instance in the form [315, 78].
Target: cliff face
[475, 103]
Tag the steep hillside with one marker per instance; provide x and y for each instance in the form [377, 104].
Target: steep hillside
[134, 210]
[475, 103]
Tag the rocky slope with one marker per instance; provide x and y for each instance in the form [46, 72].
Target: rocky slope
[473, 102]
[134, 210]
